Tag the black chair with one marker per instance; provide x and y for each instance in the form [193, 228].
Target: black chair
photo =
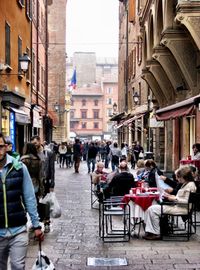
[170, 223]
[114, 220]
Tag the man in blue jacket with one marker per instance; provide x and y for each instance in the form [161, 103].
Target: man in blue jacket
[17, 197]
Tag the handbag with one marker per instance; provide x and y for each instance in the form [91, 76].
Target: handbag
[42, 262]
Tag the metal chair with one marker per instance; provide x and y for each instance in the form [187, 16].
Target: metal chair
[114, 220]
[170, 223]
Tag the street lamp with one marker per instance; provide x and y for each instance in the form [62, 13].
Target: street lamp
[136, 98]
[24, 62]
[114, 107]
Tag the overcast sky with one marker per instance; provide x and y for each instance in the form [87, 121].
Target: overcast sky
[92, 26]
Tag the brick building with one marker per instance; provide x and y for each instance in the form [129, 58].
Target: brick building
[57, 67]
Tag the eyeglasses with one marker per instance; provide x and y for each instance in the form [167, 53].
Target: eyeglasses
[2, 146]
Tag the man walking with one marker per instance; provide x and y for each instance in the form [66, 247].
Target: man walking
[48, 171]
[16, 197]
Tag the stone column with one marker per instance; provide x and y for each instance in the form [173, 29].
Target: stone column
[168, 145]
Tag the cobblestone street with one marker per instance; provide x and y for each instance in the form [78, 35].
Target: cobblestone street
[74, 236]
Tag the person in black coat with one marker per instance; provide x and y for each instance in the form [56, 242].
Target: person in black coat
[121, 183]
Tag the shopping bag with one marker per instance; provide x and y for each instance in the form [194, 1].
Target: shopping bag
[42, 262]
[51, 200]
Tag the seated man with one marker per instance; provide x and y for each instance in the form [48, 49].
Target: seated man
[121, 183]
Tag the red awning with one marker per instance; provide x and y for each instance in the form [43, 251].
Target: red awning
[174, 113]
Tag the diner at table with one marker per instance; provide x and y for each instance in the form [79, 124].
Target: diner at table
[153, 213]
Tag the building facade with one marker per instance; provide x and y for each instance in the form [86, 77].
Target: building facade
[57, 67]
[159, 68]
[39, 79]
[95, 94]
[15, 86]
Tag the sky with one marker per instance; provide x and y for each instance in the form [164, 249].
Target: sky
[92, 26]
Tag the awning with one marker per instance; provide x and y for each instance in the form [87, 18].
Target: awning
[117, 117]
[20, 116]
[130, 120]
[179, 109]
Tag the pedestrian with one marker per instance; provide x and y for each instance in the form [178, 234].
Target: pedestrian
[10, 150]
[77, 155]
[115, 154]
[16, 198]
[48, 172]
[137, 149]
[91, 156]
[62, 151]
[107, 154]
[34, 166]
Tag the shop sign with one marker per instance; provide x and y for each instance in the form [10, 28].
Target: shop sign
[12, 130]
[37, 120]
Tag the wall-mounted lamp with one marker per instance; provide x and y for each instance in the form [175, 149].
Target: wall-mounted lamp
[57, 107]
[114, 107]
[24, 62]
[136, 98]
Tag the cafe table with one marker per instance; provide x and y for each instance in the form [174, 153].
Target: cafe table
[139, 203]
[194, 162]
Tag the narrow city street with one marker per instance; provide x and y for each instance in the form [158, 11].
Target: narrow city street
[74, 236]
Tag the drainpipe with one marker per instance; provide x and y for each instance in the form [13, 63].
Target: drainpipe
[126, 77]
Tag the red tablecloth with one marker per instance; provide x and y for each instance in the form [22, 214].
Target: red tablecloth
[144, 201]
[193, 162]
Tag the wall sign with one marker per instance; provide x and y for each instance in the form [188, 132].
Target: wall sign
[12, 130]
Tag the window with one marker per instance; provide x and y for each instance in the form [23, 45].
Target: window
[83, 102]
[109, 127]
[109, 112]
[96, 114]
[33, 66]
[84, 125]
[19, 52]
[38, 76]
[83, 114]
[109, 90]
[96, 125]
[72, 125]
[33, 9]
[96, 102]
[42, 80]
[7, 44]
[21, 2]
[28, 71]
[109, 101]
[72, 113]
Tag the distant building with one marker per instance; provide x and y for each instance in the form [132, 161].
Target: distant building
[92, 101]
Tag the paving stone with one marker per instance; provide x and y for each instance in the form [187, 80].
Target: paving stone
[75, 236]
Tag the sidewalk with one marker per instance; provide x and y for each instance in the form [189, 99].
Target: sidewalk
[75, 235]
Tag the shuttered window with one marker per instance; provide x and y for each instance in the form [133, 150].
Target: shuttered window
[7, 44]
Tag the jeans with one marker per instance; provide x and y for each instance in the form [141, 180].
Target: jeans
[89, 161]
[15, 247]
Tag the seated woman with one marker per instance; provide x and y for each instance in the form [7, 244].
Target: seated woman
[184, 176]
[99, 175]
[150, 172]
